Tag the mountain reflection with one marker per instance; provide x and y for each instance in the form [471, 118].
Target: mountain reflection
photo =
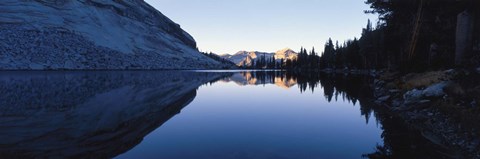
[279, 78]
[347, 87]
[104, 114]
[89, 114]
[400, 141]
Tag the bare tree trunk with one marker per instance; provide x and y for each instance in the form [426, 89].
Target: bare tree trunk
[476, 30]
[464, 37]
[432, 54]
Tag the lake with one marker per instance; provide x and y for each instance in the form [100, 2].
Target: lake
[198, 115]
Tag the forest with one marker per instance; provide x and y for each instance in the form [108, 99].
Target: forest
[410, 36]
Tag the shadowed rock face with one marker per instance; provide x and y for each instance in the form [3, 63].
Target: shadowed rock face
[93, 34]
[88, 114]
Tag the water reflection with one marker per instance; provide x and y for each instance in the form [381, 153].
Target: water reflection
[88, 114]
[400, 141]
[347, 87]
[278, 78]
[105, 114]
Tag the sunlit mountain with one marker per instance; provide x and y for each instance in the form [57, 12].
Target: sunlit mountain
[245, 58]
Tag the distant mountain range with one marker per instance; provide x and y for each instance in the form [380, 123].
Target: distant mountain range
[246, 57]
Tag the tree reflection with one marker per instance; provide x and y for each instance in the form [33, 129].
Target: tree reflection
[335, 86]
[400, 141]
[103, 114]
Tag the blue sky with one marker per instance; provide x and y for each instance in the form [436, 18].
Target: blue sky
[228, 26]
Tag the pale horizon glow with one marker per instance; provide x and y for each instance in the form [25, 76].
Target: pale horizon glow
[229, 26]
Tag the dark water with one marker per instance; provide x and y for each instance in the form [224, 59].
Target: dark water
[198, 115]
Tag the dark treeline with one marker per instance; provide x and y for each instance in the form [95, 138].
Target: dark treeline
[414, 35]
[423, 34]
[264, 62]
[353, 54]
[411, 35]
[305, 60]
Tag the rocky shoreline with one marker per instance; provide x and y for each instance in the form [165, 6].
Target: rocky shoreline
[442, 105]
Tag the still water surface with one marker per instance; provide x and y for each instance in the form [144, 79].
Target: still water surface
[238, 119]
[194, 115]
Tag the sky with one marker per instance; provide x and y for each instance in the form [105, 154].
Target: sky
[229, 26]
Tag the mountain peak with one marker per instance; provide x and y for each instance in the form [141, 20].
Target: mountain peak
[247, 57]
[285, 50]
[286, 53]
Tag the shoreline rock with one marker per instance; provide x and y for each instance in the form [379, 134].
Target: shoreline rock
[419, 103]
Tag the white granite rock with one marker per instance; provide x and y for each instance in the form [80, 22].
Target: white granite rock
[435, 90]
[94, 34]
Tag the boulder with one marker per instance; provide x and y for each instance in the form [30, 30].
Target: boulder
[413, 96]
[435, 90]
